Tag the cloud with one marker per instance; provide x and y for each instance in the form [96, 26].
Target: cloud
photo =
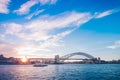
[115, 46]
[53, 41]
[43, 2]
[1, 37]
[12, 28]
[40, 29]
[25, 8]
[7, 49]
[46, 31]
[106, 13]
[35, 14]
[31, 48]
[4, 6]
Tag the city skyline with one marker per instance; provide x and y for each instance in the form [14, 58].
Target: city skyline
[44, 28]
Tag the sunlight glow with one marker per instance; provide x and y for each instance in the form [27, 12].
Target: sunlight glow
[24, 59]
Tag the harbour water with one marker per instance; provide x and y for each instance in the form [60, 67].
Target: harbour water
[61, 72]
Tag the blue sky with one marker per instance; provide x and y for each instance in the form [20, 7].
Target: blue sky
[44, 28]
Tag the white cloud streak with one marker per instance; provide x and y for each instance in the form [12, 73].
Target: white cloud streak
[34, 14]
[25, 8]
[40, 28]
[115, 46]
[4, 6]
[106, 13]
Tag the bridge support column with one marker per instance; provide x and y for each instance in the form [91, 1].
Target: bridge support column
[57, 59]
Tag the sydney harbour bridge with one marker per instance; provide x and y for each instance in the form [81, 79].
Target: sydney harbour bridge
[57, 60]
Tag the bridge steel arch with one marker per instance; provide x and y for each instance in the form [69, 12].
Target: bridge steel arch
[66, 57]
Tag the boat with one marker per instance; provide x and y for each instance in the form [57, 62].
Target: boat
[40, 65]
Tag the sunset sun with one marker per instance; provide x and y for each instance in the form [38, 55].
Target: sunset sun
[24, 59]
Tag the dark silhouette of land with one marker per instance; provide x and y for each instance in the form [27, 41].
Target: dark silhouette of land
[17, 61]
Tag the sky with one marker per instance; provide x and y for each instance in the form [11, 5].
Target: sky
[45, 28]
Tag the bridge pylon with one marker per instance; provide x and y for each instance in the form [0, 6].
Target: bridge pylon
[57, 59]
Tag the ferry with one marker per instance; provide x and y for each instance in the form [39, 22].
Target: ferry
[40, 65]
